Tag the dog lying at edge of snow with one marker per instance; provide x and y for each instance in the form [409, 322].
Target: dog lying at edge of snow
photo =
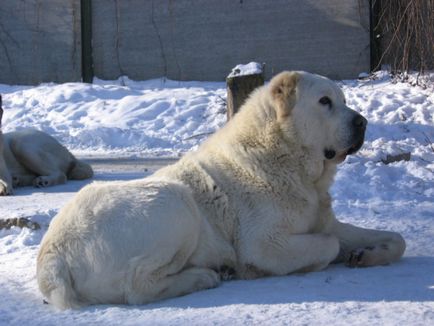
[252, 199]
[31, 157]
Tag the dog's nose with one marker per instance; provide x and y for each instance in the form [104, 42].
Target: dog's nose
[360, 122]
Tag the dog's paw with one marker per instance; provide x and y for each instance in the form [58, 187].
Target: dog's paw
[368, 256]
[355, 258]
[41, 182]
[209, 279]
[205, 278]
[226, 273]
[5, 189]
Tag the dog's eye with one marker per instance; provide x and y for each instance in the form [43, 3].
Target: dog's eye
[325, 100]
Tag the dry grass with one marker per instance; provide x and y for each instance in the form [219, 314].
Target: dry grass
[406, 28]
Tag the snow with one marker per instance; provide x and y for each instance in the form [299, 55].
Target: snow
[160, 118]
[251, 68]
[122, 118]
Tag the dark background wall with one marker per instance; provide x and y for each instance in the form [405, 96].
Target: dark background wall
[204, 39]
[40, 40]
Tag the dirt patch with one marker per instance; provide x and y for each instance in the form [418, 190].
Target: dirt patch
[21, 222]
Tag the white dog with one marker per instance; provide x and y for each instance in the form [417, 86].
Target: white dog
[252, 200]
[31, 157]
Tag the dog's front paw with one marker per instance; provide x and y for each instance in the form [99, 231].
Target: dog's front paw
[355, 258]
[204, 278]
[226, 273]
[41, 182]
[5, 188]
[368, 256]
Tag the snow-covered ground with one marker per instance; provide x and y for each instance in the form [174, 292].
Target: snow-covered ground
[162, 118]
[123, 118]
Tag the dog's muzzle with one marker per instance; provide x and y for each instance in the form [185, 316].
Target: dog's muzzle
[359, 124]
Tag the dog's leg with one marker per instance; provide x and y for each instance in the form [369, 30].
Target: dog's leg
[365, 247]
[54, 178]
[188, 281]
[38, 162]
[5, 188]
[282, 254]
[5, 176]
[23, 180]
[156, 278]
[185, 282]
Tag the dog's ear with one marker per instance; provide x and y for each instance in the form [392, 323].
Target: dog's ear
[283, 91]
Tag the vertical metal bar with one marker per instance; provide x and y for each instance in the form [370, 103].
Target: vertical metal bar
[86, 41]
[375, 40]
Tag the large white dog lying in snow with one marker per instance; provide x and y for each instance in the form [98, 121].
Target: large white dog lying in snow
[31, 157]
[252, 200]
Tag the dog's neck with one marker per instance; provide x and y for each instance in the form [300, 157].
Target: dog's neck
[269, 143]
[258, 139]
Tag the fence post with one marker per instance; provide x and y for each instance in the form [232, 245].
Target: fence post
[374, 34]
[86, 41]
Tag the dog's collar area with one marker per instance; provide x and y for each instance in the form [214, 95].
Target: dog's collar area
[329, 153]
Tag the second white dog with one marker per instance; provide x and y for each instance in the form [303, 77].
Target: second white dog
[33, 158]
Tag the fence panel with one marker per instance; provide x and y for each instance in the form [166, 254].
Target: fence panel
[39, 41]
[204, 39]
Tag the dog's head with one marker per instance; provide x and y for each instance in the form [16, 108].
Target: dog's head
[315, 108]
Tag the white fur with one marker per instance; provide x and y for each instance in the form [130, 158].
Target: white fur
[254, 197]
[31, 157]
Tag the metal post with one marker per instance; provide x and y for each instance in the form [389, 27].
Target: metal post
[86, 41]
[374, 32]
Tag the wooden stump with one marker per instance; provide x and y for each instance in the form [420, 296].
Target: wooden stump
[240, 83]
[390, 158]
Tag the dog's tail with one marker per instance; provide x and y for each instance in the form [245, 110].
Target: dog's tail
[80, 170]
[55, 281]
